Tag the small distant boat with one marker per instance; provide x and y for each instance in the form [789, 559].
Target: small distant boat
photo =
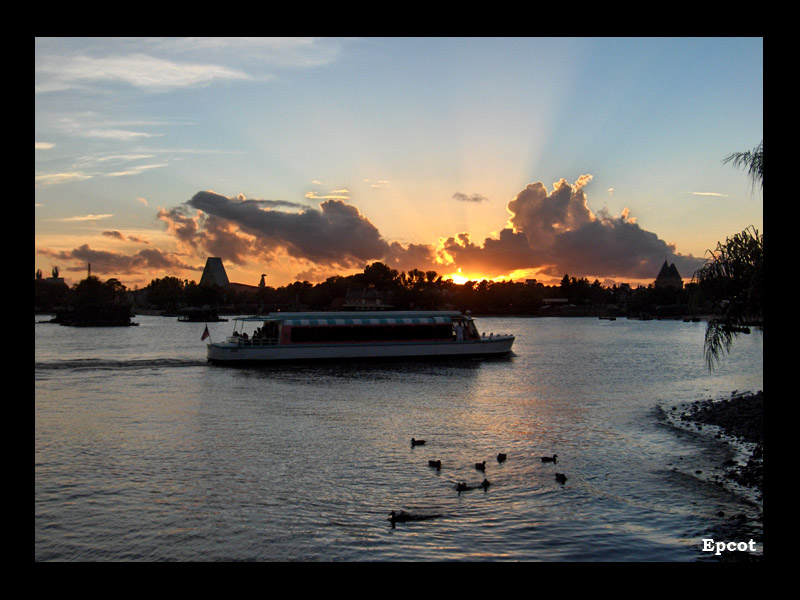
[608, 318]
[199, 315]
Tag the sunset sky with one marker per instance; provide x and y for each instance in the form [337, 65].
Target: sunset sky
[298, 158]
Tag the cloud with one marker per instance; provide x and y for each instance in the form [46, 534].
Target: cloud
[137, 170]
[116, 235]
[58, 178]
[551, 232]
[380, 183]
[84, 218]
[57, 72]
[717, 194]
[477, 198]
[556, 233]
[106, 262]
[495, 258]
[161, 64]
[122, 135]
[334, 236]
[333, 195]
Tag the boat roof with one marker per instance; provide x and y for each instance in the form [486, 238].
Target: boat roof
[357, 317]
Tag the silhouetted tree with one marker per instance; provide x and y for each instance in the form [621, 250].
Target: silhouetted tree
[734, 275]
[733, 279]
[166, 294]
[379, 276]
[752, 161]
[95, 303]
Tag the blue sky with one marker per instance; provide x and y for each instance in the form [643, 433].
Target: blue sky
[305, 158]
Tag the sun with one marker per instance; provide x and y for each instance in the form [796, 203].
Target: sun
[460, 278]
[457, 278]
[519, 275]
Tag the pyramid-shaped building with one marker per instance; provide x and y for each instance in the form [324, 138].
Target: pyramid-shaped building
[214, 273]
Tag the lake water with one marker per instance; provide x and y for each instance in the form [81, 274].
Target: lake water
[146, 452]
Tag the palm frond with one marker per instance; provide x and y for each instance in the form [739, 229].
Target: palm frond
[752, 161]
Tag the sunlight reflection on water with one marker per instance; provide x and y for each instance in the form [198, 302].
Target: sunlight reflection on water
[145, 452]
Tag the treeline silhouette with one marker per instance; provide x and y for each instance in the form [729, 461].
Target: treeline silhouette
[89, 302]
[400, 290]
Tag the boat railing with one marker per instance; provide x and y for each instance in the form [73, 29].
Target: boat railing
[257, 341]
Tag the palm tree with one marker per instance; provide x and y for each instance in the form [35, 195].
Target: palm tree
[733, 278]
[734, 275]
[752, 161]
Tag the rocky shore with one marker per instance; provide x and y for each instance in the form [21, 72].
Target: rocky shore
[738, 421]
[741, 417]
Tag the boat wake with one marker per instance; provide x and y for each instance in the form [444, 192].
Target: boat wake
[103, 364]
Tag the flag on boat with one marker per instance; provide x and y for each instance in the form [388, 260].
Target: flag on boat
[205, 334]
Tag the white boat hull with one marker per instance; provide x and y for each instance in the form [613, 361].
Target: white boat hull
[239, 353]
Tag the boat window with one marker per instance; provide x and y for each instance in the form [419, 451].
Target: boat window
[371, 333]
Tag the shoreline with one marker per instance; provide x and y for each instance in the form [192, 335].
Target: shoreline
[737, 423]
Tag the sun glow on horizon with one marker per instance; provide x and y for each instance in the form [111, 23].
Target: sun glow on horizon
[460, 278]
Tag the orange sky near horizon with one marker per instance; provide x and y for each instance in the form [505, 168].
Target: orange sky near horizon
[305, 158]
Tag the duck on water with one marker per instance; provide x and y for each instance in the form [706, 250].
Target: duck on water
[405, 517]
[462, 486]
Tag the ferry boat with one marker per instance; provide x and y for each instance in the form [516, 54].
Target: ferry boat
[356, 335]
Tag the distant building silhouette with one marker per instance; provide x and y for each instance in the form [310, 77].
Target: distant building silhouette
[668, 277]
[214, 272]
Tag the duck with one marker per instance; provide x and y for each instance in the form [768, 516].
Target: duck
[485, 484]
[561, 478]
[463, 487]
[481, 466]
[404, 517]
[551, 459]
[436, 464]
[501, 457]
[415, 442]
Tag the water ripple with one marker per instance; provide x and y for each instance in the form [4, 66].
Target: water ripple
[103, 364]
